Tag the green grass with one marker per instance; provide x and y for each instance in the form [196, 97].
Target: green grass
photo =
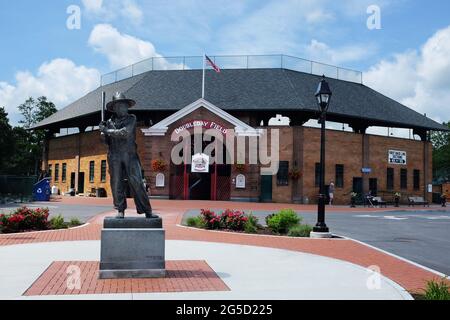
[251, 226]
[437, 290]
[196, 222]
[301, 231]
[58, 222]
[74, 222]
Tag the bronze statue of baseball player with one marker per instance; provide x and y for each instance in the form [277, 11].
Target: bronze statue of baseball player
[123, 160]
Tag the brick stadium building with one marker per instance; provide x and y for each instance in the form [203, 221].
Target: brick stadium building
[245, 100]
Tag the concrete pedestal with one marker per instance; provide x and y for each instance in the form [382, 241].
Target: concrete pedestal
[321, 235]
[132, 248]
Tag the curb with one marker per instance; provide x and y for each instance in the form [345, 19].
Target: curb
[261, 235]
[44, 231]
[440, 274]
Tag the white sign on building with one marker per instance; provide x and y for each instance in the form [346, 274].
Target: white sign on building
[160, 180]
[200, 163]
[240, 181]
[397, 157]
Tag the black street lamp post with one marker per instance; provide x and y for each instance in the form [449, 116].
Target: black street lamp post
[323, 96]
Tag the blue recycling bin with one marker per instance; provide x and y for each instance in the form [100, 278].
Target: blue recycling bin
[42, 190]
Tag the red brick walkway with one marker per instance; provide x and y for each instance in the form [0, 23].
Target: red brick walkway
[182, 276]
[407, 275]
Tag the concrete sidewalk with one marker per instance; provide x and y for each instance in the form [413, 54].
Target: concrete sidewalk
[250, 272]
[410, 276]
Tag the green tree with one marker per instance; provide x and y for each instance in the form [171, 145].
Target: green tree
[34, 111]
[440, 138]
[24, 157]
[27, 150]
[441, 153]
[6, 141]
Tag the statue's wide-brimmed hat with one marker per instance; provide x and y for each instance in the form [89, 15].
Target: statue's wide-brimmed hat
[119, 97]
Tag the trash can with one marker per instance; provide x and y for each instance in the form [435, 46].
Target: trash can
[42, 190]
[437, 198]
[100, 193]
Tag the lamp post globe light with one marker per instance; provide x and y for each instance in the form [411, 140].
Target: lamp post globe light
[323, 96]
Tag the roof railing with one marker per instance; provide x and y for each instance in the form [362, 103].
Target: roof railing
[234, 62]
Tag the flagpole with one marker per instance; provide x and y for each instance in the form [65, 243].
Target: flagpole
[203, 81]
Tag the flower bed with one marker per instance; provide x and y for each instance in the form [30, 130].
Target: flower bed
[27, 220]
[285, 223]
[24, 219]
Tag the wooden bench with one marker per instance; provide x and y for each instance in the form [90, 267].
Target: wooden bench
[413, 201]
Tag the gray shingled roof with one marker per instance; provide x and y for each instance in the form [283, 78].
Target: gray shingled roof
[249, 89]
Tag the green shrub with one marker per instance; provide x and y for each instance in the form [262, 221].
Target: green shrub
[196, 222]
[75, 222]
[301, 231]
[437, 290]
[58, 222]
[251, 225]
[191, 221]
[268, 217]
[283, 220]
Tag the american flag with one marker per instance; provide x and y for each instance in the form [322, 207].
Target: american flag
[212, 64]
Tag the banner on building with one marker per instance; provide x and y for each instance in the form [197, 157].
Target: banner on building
[397, 157]
[200, 163]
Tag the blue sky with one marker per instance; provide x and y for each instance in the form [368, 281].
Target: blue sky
[41, 56]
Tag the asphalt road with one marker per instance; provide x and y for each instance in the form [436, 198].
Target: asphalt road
[420, 236]
[82, 212]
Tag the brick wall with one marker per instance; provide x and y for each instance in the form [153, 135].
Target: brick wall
[89, 147]
[298, 145]
[347, 148]
[341, 148]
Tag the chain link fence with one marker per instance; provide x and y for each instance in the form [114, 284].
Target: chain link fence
[16, 188]
[234, 62]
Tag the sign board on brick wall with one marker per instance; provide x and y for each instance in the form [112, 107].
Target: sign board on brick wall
[200, 163]
[397, 157]
[240, 181]
[160, 180]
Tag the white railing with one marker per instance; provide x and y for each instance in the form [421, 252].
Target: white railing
[234, 62]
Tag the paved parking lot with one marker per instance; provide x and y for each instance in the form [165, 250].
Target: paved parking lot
[420, 236]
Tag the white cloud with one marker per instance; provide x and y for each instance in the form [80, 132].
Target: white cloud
[395, 78]
[113, 9]
[94, 6]
[358, 7]
[274, 27]
[122, 49]
[132, 10]
[420, 80]
[318, 16]
[60, 80]
[319, 51]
